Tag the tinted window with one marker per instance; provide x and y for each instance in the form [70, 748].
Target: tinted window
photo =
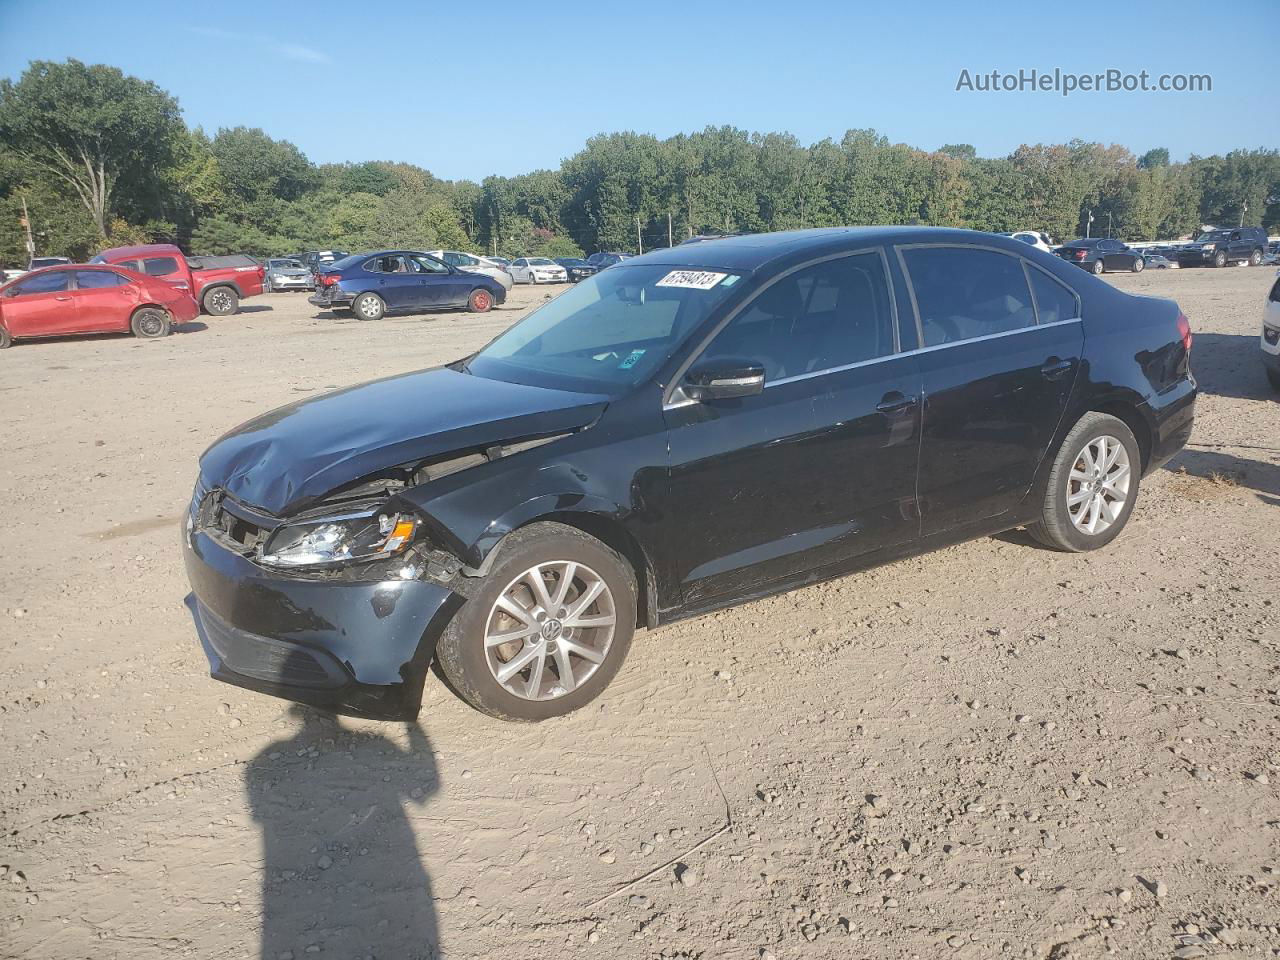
[824, 316]
[388, 264]
[1025, 238]
[1275, 293]
[1054, 302]
[966, 292]
[98, 279]
[130, 265]
[159, 266]
[43, 283]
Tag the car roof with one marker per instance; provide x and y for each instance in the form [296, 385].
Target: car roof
[141, 250]
[755, 250]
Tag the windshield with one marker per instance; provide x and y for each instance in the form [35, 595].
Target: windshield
[39, 262]
[285, 264]
[540, 262]
[609, 332]
[1208, 237]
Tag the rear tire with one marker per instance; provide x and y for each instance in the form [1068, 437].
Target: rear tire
[1071, 478]
[369, 306]
[1138, 265]
[1255, 258]
[472, 661]
[221, 302]
[6, 340]
[149, 323]
[1098, 268]
[480, 301]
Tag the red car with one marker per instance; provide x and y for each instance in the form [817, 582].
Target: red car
[217, 283]
[86, 298]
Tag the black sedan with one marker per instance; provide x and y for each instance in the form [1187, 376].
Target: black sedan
[690, 429]
[1098, 255]
[576, 268]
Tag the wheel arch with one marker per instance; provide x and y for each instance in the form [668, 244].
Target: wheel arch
[597, 523]
[1128, 412]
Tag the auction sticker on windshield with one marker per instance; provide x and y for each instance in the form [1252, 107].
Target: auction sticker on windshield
[691, 279]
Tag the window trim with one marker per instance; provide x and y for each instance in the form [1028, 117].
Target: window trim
[75, 280]
[669, 401]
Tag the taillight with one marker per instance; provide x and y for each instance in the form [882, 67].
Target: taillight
[1184, 331]
[329, 279]
[1080, 254]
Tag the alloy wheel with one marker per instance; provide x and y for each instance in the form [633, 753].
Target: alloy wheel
[1098, 485]
[549, 630]
[220, 300]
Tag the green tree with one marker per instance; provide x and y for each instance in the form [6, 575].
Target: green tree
[93, 128]
[255, 167]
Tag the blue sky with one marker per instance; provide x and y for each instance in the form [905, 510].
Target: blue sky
[467, 90]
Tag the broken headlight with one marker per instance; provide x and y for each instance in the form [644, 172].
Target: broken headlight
[345, 538]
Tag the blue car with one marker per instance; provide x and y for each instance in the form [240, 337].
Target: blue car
[370, 285]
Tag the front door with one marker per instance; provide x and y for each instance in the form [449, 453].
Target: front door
[767, 488]
[438, 285]
[996, 381]
[398, 284]
[41, 306]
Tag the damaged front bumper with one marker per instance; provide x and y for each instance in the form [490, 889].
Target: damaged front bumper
[356, 647]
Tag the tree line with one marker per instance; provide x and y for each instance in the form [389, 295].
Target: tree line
[96, 157]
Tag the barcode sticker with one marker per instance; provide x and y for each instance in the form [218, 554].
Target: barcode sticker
[691, 279]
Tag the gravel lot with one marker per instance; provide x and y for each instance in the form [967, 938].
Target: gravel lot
[992, 750]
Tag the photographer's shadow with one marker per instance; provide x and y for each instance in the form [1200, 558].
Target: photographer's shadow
[341, 872]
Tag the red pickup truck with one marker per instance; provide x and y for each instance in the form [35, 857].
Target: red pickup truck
[218, 284]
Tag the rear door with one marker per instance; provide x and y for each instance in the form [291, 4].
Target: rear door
[41, 305]
[395, 282]
[104, 300]
[996, 380]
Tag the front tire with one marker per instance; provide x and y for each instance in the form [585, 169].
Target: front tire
[221, 302]
[548, 629]
[369, 306]
[1098, 268]
[480, 301]
[1092, 486]
[149, 323]
[1220, 259]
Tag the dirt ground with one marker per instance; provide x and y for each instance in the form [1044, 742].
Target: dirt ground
[991, 750]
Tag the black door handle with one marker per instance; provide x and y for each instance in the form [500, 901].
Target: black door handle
[895, 402]
[1055, 369]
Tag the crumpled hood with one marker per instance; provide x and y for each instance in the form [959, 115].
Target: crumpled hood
[286, 460]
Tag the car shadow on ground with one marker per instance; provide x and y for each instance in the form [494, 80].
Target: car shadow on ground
[194, 326]
[1229, 365]
[1230, 470]
[254, 308]
[341, 872]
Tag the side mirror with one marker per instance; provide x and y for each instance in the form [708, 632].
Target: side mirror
[724, 380]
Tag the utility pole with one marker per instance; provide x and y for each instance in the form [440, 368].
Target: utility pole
[1244, 206]
[669, 240]
[1108, 223]
[639, 242]
[1088, 219]
[26, 222]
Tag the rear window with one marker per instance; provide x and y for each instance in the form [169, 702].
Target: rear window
[965, 292]
[1054, 302]
[98, 279]
[159, 266]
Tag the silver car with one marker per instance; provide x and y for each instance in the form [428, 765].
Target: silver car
[538, 270]
[285, 274]
[474, 264]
